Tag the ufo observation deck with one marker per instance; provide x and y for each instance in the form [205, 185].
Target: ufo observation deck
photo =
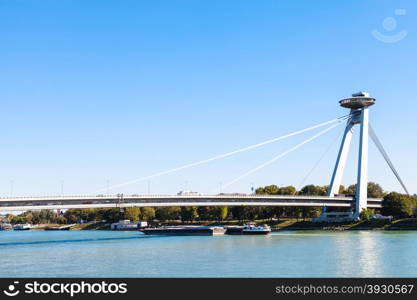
[359, 100]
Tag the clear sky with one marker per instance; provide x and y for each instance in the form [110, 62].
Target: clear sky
[108, 91]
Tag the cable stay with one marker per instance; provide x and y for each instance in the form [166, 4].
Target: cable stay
[386, 157]
[319, 160]
[141, 179]
[267, 163]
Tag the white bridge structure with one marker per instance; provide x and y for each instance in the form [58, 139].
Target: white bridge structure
[121, 201]
[358, 104]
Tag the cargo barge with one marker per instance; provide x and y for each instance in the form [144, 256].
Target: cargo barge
[184, 230]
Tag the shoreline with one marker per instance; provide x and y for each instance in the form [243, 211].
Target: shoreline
[276, 225]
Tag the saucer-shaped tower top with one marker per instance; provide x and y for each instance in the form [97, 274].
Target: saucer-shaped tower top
[358, 100]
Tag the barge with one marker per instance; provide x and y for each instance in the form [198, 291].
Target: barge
[185, 230]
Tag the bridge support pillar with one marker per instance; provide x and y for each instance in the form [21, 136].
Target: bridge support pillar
[362, 181]
[341, 160]
[359, 114]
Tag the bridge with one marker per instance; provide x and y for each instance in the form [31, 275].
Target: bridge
[120, 201]
[358, 105]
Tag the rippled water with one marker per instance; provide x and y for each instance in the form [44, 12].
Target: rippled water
[131, 254]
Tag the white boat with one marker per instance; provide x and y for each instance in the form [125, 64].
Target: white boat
[22, 227]
[252, 228]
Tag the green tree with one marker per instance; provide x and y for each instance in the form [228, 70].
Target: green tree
[204, 213]
[189, 213]
[18, 220]
[398, 205]
[278, 211]
[294, 211]
[238, 212]
[374, 190]
[147, 213]
[267, 190]
[351, 189]
[310, 212]
[366, 214]
[287, 190]
[313, 190]
[111, 215]
[131, 213]
[252, 212]
[61, 220]
[168, 213]
[220, 213]
[275, 190]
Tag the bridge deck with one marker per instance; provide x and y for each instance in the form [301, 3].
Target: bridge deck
[109, 201]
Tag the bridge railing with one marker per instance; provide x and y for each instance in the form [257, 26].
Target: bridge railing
[170, 196]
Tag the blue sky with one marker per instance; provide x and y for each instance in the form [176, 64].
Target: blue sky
[107, 91]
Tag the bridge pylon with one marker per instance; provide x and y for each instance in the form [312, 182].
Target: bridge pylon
[359, 115]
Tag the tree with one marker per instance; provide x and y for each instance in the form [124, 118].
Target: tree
[267, 212]
[374, 190]
[204, 213]
[287, 190]
[275, 190]
[310, 212]
[112, 215]
[294, 211]
[168, 213]
[18, 220]
[313, 190]
[188, 213]
[351, 190]
[278, 211]
[147, 213]
[366, 214]
[398, 205]
[267, 190]
[61, 220]
[131, 213]
[220, 213]
[238, 212]
[253, 212]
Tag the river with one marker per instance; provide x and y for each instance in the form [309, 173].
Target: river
[282, 254]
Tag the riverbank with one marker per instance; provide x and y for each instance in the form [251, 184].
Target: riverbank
[276, 225]
[400, 224]
[84, 226]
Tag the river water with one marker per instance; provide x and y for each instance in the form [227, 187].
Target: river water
[283, 254]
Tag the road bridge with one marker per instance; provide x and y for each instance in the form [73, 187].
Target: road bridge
[109, 201]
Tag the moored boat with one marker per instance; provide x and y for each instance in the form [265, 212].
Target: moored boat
[252, 228]
[22, 227]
